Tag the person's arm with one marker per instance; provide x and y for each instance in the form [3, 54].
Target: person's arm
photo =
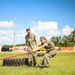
[40, 47]
[26, 43]
[36, 43]
[26, 46]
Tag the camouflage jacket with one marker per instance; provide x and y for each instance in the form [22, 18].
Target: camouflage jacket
[50, 46]
[30, 40]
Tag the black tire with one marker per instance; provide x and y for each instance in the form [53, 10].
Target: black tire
[15, 62]
[26, 61]
[18, 62]
[7, 62]
[4, 62]
[12, 63]
[23, 62]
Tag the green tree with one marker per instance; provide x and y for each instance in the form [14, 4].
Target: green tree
[57, 40]
[72, 38]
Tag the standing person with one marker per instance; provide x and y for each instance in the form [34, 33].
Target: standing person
[50, 52]
[31, 44]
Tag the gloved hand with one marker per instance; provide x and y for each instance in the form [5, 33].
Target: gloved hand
[26, 48]
[45, 44]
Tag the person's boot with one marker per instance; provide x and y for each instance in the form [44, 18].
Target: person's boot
[30, 63]
[40, 66]
[45, 66]
[34, 64]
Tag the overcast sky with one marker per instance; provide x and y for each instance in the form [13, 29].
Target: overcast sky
[44, 17]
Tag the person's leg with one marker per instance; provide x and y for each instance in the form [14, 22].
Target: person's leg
[52, 54]
[44, 62]
[47, 57]
[30, 59]
[34, 59]
[41, 63]
[29, 56]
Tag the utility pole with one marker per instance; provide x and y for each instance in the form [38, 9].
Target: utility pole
[14, 32]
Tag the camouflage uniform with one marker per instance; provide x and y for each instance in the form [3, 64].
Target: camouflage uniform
[50, 53]
[31, 43]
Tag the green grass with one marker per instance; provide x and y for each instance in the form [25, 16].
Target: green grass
[62, 64]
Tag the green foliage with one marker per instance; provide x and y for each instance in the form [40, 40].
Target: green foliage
[7, 46]
[65, 40]
[20, 45]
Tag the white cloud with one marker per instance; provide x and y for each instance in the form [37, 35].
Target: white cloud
[22, 33]
[4, 38]
[18, 35]
[67, 30]
[6, 24]
[46, 27]
[40, 32]
[33, 31]
[7, 32]
[53, 32]
[48, 37]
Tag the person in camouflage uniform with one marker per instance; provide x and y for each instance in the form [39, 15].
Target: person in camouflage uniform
[50, 52]
[31, 44]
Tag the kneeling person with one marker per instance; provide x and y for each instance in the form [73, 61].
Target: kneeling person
[50, 52]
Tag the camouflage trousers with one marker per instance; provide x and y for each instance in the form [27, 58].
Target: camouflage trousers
[32, 59]
[47, 57]
[31, 56]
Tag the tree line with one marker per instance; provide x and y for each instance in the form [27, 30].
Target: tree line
[68, 40]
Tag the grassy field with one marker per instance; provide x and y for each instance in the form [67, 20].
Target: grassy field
[62, 64]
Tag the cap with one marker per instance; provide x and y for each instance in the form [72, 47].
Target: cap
[43, 37]
[28, 29]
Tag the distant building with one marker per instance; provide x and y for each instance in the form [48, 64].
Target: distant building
[68, 48]
[19, 48]
[74, 48]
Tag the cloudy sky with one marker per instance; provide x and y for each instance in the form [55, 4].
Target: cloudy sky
[44, 17]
